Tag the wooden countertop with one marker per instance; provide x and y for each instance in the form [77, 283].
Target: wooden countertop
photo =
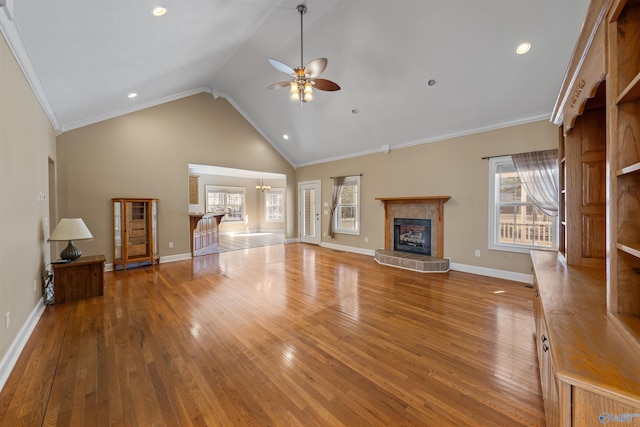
[205, 215]
[587, 348]
[89, 259]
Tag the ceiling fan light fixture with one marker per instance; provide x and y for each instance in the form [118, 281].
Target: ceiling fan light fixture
[303, 77]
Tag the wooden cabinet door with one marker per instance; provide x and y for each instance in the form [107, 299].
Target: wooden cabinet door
[586, 190]
[193, 189]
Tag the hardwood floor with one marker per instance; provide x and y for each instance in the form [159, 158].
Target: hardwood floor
[286, 335]
[235, 241]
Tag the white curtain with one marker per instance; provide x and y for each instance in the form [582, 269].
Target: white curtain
[538, 172]
[338, 182]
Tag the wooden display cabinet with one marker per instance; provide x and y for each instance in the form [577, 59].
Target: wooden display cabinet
[587, 300]
[135, 231]
[624, 161]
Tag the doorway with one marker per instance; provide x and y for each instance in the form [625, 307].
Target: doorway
[253, 202]
[309, 196]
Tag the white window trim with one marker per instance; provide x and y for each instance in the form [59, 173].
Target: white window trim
[494, 219]
[228, 190]
[266, 208]
[336, 215]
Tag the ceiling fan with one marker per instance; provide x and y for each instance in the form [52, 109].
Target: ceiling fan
[304, 77]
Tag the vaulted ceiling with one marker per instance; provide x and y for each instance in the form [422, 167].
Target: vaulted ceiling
[83, 58]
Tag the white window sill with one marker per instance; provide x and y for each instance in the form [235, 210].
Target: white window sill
[353, 233]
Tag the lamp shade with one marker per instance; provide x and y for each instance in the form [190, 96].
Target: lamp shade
[70, 229]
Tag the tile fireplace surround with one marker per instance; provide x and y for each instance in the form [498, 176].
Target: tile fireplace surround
[421, 207]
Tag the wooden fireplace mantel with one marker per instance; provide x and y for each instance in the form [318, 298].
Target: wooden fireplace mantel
[439, 201]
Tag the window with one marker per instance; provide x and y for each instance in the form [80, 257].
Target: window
[229, 200]
[274, 205]
[515, 223]
[347, 213]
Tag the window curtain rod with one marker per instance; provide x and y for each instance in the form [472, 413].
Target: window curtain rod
[334, 177]
[512, 154]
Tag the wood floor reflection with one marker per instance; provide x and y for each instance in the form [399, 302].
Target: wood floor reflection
[282, 335]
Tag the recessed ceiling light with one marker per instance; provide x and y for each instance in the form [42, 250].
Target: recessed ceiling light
[285, 136]
[132, 95]
[432, 82]
[159, 11]
[355, 111]
[523, 48]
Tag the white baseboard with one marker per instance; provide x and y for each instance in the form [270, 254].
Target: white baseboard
[360, 251]
[177, 257]
[11, 356]
[492, 272]
[294, 240]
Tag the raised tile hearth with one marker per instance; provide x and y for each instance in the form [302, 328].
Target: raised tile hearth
[415, 262]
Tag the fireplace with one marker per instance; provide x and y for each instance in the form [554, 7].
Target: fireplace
[412, 235]
[421, 207]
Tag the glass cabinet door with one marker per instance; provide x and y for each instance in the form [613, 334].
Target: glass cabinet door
[154, 227]
[117, 231]
[137, 230]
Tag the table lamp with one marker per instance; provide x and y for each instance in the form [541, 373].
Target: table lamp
[70, 229]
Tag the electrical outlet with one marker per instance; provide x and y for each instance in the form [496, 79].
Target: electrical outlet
[477, 252]
[366, 239]
[170, 245]
[7, 320]
[35, 285]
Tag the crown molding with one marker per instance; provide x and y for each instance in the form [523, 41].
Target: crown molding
[14, 40]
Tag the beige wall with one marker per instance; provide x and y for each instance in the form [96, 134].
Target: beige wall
[27, 141]
[451, 167]
[146, 154]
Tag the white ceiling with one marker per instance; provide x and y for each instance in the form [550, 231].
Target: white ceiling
[83, 57]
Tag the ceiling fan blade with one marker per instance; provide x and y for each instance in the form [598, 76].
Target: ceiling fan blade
[324, 84]
[281, 67]
[316, 67]
[279, 85]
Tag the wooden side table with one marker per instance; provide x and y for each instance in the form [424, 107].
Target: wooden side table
[78, 279]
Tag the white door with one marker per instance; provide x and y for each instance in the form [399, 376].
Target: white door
[309, 208]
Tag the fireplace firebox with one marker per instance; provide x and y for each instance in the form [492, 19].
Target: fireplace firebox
[412, 235]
